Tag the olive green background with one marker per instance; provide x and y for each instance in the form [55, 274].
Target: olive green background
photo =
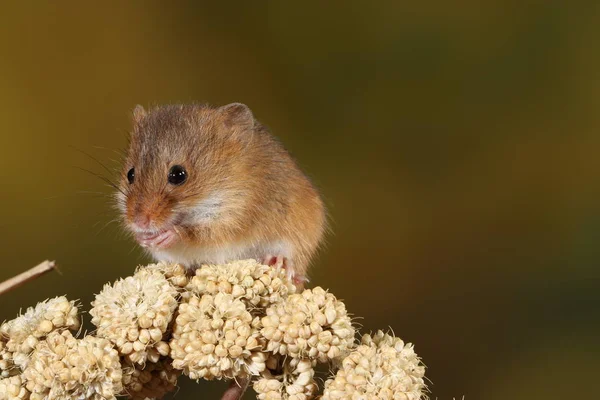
[456, 145]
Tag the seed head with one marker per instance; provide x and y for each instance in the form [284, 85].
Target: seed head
[381, 367]
[294, 382]
[63, 367]
[258, 285]
[134, 313]
[216, 337]
[312, 324]
[153, 381]
[175, 273]
[18, 337]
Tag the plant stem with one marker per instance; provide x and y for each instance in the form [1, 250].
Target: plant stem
[26, 276]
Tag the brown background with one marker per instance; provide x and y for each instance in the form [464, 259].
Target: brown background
[456, 145]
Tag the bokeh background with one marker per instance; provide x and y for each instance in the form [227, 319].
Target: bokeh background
[456, 145]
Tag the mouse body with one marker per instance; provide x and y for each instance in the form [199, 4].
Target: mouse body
[208, 185]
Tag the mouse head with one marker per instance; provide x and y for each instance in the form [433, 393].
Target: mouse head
[183, 171]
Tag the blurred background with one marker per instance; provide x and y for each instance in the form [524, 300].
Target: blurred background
[456, 146]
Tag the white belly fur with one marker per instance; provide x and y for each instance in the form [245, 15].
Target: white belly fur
[194, 256]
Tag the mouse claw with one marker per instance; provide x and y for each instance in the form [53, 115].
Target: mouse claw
[282, 262]
[275, 261]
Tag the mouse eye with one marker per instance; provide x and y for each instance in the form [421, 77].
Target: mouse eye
[131, 175]
[177, 175]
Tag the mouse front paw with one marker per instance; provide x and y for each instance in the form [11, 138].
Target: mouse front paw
[157, 240]
[285, 263]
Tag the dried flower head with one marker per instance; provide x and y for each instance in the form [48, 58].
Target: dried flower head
[236, 320]
[259, 285]
[153, 381]
[216, 337]
[381, 367]
[312, 324]
[294, 382]
[175, 273]
[22, 334]
[63, 367]
[13, 389]
[7, 367]
[134, 313]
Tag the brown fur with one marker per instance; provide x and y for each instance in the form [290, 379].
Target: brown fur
[266, 196]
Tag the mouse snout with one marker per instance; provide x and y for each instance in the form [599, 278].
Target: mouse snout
[151, 226]
[142, 221]
[139, 217]
[145, 216]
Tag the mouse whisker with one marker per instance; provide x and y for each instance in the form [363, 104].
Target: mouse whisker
[103, 178]
[93, 158]
[107, 224]
[120, 153]
[92, 192]
[177, 232]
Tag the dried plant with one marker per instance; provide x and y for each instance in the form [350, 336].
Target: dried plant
[239, 321]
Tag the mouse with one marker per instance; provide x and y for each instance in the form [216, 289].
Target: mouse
[205, 184]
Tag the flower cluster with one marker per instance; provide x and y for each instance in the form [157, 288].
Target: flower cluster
[312, 324]
[174, 273]
[134, 313]
[41, 359]
[216, 337]
[241, 320]
[294, 382]
[217, 331]
[258, 285]
[381, 367]
[19, 336]
[63, 367]
[154, 380]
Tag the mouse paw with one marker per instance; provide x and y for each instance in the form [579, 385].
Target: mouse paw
[285, 263]
[275, 261]
[157, 240]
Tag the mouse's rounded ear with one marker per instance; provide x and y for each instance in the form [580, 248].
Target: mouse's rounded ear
[236, 114]
[138, 114]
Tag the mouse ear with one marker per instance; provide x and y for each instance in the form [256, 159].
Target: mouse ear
[138, 114]
[237, 114]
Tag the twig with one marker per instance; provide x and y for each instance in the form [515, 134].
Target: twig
[236, 389]
[26, 276]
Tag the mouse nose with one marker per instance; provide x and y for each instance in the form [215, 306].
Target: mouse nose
[142, 221]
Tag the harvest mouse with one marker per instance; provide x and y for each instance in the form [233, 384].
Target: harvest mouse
[204, 184]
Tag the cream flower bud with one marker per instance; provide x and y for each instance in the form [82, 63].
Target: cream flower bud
[13, 389]
[134, 313]
[153, 381]
[7, 366]
[381, 367]
[63, 367]
[296, 382]
[216, 337]
[311, 324]
[19, 336]
[175, 273]
[259, 285]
